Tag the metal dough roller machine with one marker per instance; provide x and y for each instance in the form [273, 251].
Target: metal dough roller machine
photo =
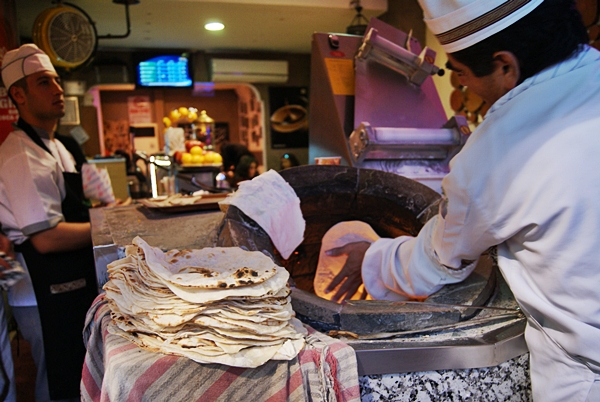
[373, 102]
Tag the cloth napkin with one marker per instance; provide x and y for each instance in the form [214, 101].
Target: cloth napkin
[272, 203]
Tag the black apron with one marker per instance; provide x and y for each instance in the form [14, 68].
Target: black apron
[65, 287]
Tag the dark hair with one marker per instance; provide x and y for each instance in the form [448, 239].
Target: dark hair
[549, 34]
[242, 170]
[21, 83]
[232, 153]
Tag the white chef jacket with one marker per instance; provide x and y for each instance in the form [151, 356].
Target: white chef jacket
[528, 181]
[31, 192]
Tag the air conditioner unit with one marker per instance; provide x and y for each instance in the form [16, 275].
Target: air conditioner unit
[239, 70]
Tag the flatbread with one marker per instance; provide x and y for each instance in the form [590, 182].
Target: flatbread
[328, 266]
[209, 268]
[211, 295]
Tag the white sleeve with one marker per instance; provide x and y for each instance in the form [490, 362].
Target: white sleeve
[33, 188]
[408, 267]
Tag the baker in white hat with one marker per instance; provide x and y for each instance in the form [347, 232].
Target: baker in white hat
[526, 184]
[43, 212]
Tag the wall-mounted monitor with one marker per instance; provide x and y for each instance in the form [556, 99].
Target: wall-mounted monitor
[164, 71]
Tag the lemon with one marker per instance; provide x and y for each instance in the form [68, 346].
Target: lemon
[209, 157]
[213, 157]
[183, 111]
[197, 159]
[193, 116]
[196, 150]
[174, 115]
[186, 158]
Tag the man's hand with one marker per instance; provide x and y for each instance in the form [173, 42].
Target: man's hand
[351, 272]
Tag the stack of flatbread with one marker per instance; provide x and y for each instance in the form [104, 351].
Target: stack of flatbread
[214, 305]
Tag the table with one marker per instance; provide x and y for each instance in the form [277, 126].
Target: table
[118, 370]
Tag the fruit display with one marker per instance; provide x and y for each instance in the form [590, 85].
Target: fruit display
[197, 155]
[181, 115]
[197, 152]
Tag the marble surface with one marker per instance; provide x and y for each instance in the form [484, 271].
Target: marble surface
[507, 382]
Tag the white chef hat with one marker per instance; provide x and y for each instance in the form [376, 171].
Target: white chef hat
[459, 24]
[24, 61]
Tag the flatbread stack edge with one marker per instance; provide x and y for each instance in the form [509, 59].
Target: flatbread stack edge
[214, 305]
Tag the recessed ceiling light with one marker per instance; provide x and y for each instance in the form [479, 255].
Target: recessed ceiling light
[214, 26]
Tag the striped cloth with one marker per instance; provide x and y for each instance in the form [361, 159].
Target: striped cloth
[117, 370]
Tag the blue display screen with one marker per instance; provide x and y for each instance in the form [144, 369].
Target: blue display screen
[164, 71]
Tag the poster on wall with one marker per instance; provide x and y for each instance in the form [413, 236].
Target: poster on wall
[289, 117]
[116, 137]
[220, 134]
[8, 113]
[255, 139]
[139, 109]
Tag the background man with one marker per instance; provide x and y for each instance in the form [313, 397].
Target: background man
[526, 181]
[42, 211]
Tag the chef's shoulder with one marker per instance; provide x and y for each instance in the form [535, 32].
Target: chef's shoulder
[17, 145]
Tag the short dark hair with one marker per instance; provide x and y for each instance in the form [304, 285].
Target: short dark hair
[21, 83]
[549, 34]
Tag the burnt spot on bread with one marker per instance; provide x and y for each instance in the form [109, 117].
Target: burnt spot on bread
[222, 284]
[208, 273]
[245, 273]
[182, 253]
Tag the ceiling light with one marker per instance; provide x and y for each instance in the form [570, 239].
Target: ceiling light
[214, 26]
[358, 26]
